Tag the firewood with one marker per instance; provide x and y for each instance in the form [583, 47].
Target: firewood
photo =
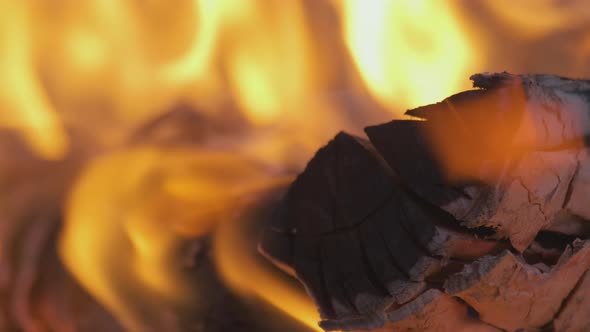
[511, 294]
[574, 313]
[512, 150]
[359, 240]
[462, 219]
[433, 310]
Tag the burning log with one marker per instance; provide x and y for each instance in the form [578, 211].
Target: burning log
[464, 219]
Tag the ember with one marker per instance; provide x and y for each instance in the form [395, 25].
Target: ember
[146, 145]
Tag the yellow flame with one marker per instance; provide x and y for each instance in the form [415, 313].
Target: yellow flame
[120, 63]
[409, 53]
[23, 102]
[198, 57]
[129, 211]
[268, 75]
[114, 52]
[242, 270]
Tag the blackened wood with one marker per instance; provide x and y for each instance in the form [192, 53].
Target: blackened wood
[345, 274]
[357, 238]
[374, 228]
[323, 221]
[407, 150]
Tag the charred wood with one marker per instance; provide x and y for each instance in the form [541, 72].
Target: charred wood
[474, 207]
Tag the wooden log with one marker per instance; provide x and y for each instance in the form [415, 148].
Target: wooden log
[512, 295]
[574, 315]
[358, 239]
[503, 156]
[374, 229]
[576, 203]
[433, 310]
[527, 200]
[321, 218]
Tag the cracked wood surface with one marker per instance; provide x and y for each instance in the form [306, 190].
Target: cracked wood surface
[463, 219]
[575, 305]
[510, 294]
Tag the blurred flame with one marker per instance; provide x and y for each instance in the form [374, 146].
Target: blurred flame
[241, 270]
[535, 19]
[268, 74]
[409, 53]
[123, 62]
[128, 213]
[146, 201]
[22, 100]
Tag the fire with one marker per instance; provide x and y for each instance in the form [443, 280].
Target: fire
[408, 52]
[234, 259]
[22, 99]
[130, 213]
[543, 17]
[289, 73]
